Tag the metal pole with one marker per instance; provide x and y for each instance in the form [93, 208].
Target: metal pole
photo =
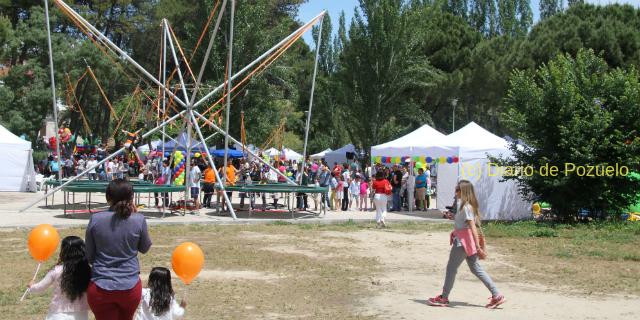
[211, 136]
[53, 90]
[187, 176]
[99, 163]
[215, 170]
[454, 102]
[229, 87]
[260, 58]
[215, 127]
[118, 50]
[206, 55]
[164, 82]
[313, 88]
[176, 61]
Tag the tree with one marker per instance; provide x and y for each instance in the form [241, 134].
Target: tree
[514, 17]
[447, 42]
[457, 8]
[577, 112]
[574, 2]
[549, 7]
[378, 68]
[483, 17]
[610, 30]
[326, 61]
[524, 16]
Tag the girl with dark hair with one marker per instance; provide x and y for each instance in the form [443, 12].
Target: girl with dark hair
[158, 302]
[114, 239]
[70, 279]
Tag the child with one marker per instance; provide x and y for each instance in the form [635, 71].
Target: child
[467, 246]
[364, 189]
[333, 182]
[339, 193]
[372, 195]
[158, 302]
[70, 279]
[354, 192]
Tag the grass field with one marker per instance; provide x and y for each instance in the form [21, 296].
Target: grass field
[589, 258]
[309, 271]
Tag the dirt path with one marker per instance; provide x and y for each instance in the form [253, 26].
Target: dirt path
[413, 270]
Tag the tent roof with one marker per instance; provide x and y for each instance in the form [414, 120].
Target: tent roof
[416, 137]
[474, 136]
[320, 154]
[344, 149]
[8, 138]
[291, 154]
[423, 141]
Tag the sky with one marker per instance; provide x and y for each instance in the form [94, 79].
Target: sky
[334, 7]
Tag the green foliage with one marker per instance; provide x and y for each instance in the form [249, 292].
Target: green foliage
[379, 69]
[549, 7]
[608, 30]
[577, 111]
[544, 233]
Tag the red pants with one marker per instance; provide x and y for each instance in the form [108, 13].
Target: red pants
[116, 304]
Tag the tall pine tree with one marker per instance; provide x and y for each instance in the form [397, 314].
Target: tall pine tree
[550, 7]
[483, 17]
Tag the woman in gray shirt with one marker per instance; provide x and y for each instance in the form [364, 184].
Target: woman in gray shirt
[113, 240]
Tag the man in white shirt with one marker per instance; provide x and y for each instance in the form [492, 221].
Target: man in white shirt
[82, 165]
[109, 169]
[194, 183]
[92, 173]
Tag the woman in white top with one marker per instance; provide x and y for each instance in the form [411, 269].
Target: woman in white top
[70, 280]
[158, 301]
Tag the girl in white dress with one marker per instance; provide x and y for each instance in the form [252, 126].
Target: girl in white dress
[158, 301]
[70, 280]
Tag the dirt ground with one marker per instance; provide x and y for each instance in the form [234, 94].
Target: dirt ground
[328, 272]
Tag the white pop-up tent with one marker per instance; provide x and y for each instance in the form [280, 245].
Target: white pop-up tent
[288, 154]
[340, 155]
[272, 152]
[320, 155]
[424, 141]
[498, 199]
[285, 154]
[16, 170]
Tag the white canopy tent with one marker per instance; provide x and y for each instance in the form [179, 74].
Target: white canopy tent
[320, 155]
[288, 154]
[424, 141]
[339, 155]
[285, 154]
[16, 172]
[498, 200]
[272, 152]
[154, 145]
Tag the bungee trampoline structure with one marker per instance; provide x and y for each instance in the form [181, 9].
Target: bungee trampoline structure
[288, 192]
[186, 96]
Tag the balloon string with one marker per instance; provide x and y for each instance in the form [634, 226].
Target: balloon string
[184, 293]
[35, 275]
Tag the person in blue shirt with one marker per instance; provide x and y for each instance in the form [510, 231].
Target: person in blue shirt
[54, 167]
[421, 189]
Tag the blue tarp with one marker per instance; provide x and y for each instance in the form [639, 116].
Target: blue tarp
[231, 154]
[170, 146]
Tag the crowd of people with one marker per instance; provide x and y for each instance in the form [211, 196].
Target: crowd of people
[350, 185]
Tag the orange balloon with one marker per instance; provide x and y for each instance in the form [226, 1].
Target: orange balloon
[43, 241]
[187, 260]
